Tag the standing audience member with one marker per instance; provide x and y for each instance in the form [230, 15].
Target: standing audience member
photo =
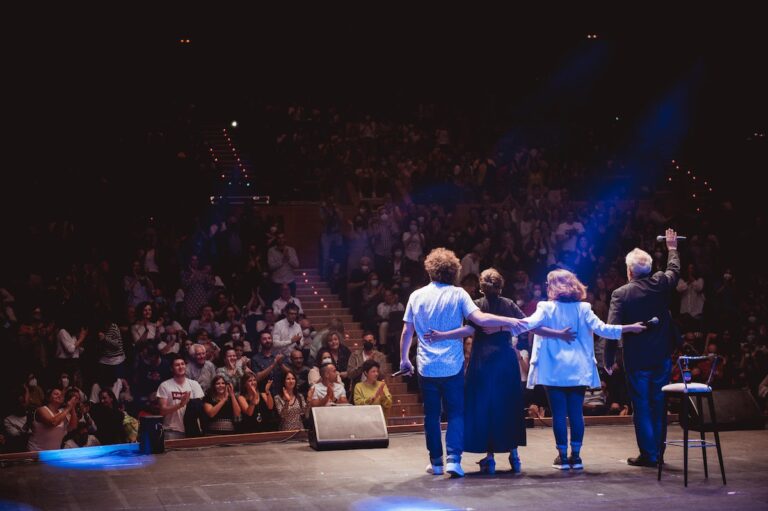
[175, 394]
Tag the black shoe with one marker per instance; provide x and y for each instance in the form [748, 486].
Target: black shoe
[642, 461]
[561, 464]
[575, 462]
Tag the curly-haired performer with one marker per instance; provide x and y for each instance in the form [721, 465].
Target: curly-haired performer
[442, 306]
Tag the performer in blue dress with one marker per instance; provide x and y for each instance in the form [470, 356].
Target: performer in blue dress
[494, 419]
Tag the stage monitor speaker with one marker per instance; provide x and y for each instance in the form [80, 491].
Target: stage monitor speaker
[734, 408]
[348, 427]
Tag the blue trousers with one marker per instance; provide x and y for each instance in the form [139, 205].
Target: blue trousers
[567, 401]
[648, 410]
[435, 392]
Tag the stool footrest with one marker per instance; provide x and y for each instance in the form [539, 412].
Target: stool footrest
[692, 443]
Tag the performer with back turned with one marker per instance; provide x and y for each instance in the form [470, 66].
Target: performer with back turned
[441, 305]
[647, 355]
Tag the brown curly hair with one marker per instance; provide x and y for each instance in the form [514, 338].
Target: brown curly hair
[442, 265]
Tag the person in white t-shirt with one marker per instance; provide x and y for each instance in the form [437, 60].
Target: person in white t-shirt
[174, 394]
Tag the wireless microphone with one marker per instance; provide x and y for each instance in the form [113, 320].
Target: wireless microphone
[654, 321]
[402, 373]
[664, 238]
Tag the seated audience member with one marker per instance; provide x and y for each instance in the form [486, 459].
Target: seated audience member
[328, 391]
[108, 418]
[594, 401]
[200, 368]
[234, 336]
[339, 353]
[52, 421]
[212, 350]
[172, 335]
[291, 406]
[300, 372]
[334, 325]
[206, 322]
[231, 319]
[384, 312]
[359, 357]
[257, 408]
[175, 394]
[232, 370]
[151, 371]
[315, 374]
[16, 425]
[371, 391]
[79, 437]
[285, 298]
[221, 406]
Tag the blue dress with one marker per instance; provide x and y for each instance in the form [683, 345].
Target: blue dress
[493, 401]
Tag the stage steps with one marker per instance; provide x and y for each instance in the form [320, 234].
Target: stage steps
[320, 305]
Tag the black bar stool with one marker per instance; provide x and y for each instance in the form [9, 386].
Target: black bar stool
[686, 391]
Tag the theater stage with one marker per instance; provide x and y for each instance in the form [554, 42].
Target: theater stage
[290, 475]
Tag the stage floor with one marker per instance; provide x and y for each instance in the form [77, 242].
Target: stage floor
[292, 476]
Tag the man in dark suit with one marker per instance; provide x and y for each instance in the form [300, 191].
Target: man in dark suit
[647, 355]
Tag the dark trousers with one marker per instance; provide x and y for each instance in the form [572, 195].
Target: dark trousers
[435, 392]
[648, 410]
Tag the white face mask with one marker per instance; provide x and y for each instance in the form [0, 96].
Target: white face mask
[326, 361]
[32, 382]
[305, 332]
[65, 382]
[235, 336]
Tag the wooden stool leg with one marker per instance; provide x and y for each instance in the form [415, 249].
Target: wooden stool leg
[662, 440]
[684, 422]
[717, 434]
[703, 437]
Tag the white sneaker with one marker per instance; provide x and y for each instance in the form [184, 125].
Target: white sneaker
[454, 469]
[435, 470]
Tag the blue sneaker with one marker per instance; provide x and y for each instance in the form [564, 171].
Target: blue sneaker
[454, 468]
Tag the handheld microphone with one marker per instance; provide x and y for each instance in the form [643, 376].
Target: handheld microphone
[664, 238]
[654, 321]
[402, 373]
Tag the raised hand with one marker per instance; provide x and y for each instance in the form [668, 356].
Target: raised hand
[671, 239]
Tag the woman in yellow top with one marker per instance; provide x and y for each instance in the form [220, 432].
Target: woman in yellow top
[372, 391]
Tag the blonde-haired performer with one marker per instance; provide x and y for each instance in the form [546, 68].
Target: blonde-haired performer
[567, 369]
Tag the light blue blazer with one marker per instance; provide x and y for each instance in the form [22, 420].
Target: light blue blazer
[561, 363]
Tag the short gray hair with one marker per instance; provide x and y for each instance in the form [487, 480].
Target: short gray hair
[193, 349]
[639, 262]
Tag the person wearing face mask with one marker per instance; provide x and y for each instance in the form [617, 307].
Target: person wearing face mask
[367, 352]
[315, 374]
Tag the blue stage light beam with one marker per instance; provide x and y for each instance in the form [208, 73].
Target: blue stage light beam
[102, 457]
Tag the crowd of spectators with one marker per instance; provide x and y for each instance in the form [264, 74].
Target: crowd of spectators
[204, 328]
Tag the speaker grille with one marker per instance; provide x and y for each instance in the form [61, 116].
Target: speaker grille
[349, 423]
